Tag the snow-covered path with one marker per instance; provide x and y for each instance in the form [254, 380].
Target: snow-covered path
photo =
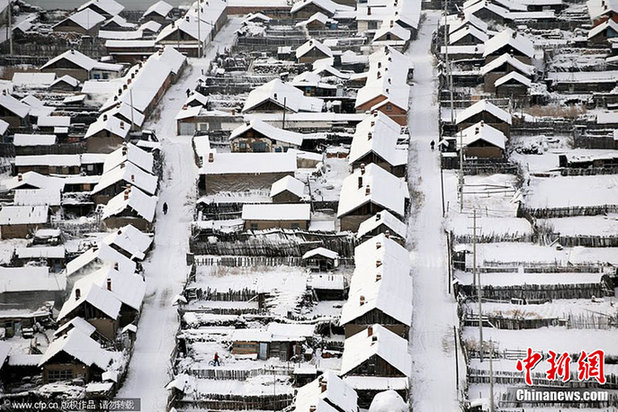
[166, 270]
[433, 386]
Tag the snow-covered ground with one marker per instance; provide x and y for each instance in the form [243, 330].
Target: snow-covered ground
[166, 270]
[433, 386]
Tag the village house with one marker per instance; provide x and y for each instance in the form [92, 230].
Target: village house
[372, 355]
[487, 112]
[327, 393]
[21, 221]
[513, 85]
[602, 10]
[318, 21]
[150, 29]
[381, 288]
[106, 134]
[99, 255]
[130, 51]
[81, 67]
[131, 207]
[117, 179]
[582, 81]
[159, 12]
[279, 340]
[385, 94]
[288, 189]
[304, 9]
[106, 8]
[276, 96]
[259, 136]
[321, 259]
[74, 356]
[284, 216]
[467, 35]
[85, 22]
[511, 42]
[481, 140]
[311, 51]
[66, 164]
[601, 34]
[129, 152]
[223, 172]
[36, 80]
[28, 286]
[312, 84]
[367, 191]
[382, 222]
[130, 242]
[65, 83]
[328, 286]
[33, 180]
[52, 256]
[502, 66]
[375, 142]
[392, 34]
[13, 112]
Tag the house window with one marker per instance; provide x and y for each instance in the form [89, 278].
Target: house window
[253, 226]
[389, 107]
[59, 375]
[373, 25]
[96, 76]
[242, 145]
[278, 149]
[258, 146]
[294, 226]
[388, 36]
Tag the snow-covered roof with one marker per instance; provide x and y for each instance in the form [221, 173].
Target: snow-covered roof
[171, 57]
[129, 153]
[30, 279]
[325, 391]
[125, 112]
[388, 401]
[152, 26]
[33, 179]
[319, 17]
[160, 8]
[130, 239]
[3, 127]
[395, 226]
[110, 7]
[272, 132]
[395, 90]
[598, 29]
[135, 199]
[392, 28]
[607, 76]
[481, 131]
[23, 215]
[32, 80]
[53, 121]
[210, 11]
[81, 60]
[282, 94]
[392, 348]
[131, 174]
[121, 34]
[514, 76]
[511, 38]
[289, 184]
[56, 252]
[79, 346]
[120, 21]
[378, 186]
[48, 160]
[311, 79]
[377, 135]
[103, 253]
[232, 163]
[128, 288]
[321, 251]
[76, 323]
[459, 22]
[86, 291]
[481, 106]
[87, 19]
[311, 44]
[71, 81]
[15, 106]
[482, 5]
[197, 97]
[598, 8]
[329, 6]
[21, 139]
[110, 123]
[481, 36]
[299, 211]
[506, 58]
[37, 197]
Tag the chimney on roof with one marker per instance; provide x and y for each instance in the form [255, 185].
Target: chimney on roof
[389, 80]
[126, 193]
[109, 284]
[391, 24]
[312, 408]
[211, 157]
[362, 168]
[378, 277]
[20, 177]
[104, 117]
[133, 178]
[378, 263]
[72, 51]
[185, 107]
[378, 216]
[362, 300]
[378, 75]
[124, 87]
[368, 11]
[322, 386]
[369, 136]
[115, 98]
[187, 18]
[119, 92]
[387, 234]
[360, 182]
[374, 339]
[379, 64]
[367, 190]
[370, 330]
[160, 52]
[125, 150]
[129, 81]
[78, 294]
[476, 130]
[378, 245]
[133, 75]
[372, 123]
[122, 125]
[115, 265]
[514, 34]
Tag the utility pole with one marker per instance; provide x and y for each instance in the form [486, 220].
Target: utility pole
[461, 182]
[131, 101]
[456, 360]
[441, 180]
[477, 281]
[9, 28]
[491, 377]
[199, 33]
[447, 61]
[285, 99]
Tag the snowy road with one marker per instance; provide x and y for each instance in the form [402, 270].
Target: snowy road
[432, 344]
[166, 269]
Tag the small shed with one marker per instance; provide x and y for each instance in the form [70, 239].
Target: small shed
[321, 259]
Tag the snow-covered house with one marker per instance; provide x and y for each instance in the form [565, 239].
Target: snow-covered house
[278, 340]
[511, 42]
[159, 12]
[288, 189]
[81, 67]
[367, 191]
[304, 9]
[383, 222]
[375, 141]
[29, 285]
[284, 216]
[124, 175]
[312, 84]
[223, 172]
[371, 356]
[106, 8]
[311, 51]
[466, 35]
[327, 393]
[321, 259]
[318, 21]
[20, 221]
[132, 154]
[65, 83]
[488, 12]
[258, 136]
[602, 33]
[118, 23]
[481, 140]
[74, 355]
[602, 10]
[129, 241]
[85, 21]
[392, 34]
[502, 66]
[512, 85]
[62, 164]
[106, 134]
[98, 256]
[276, 96]
[381, 288]
[12, 111]
[487, 112]
[133, 207]
[34, 80]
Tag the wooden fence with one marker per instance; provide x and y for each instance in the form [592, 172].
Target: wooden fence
[219, 402]
[546, 213]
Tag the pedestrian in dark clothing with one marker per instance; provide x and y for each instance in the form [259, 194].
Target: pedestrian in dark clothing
[432, 144]
[188, 92]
